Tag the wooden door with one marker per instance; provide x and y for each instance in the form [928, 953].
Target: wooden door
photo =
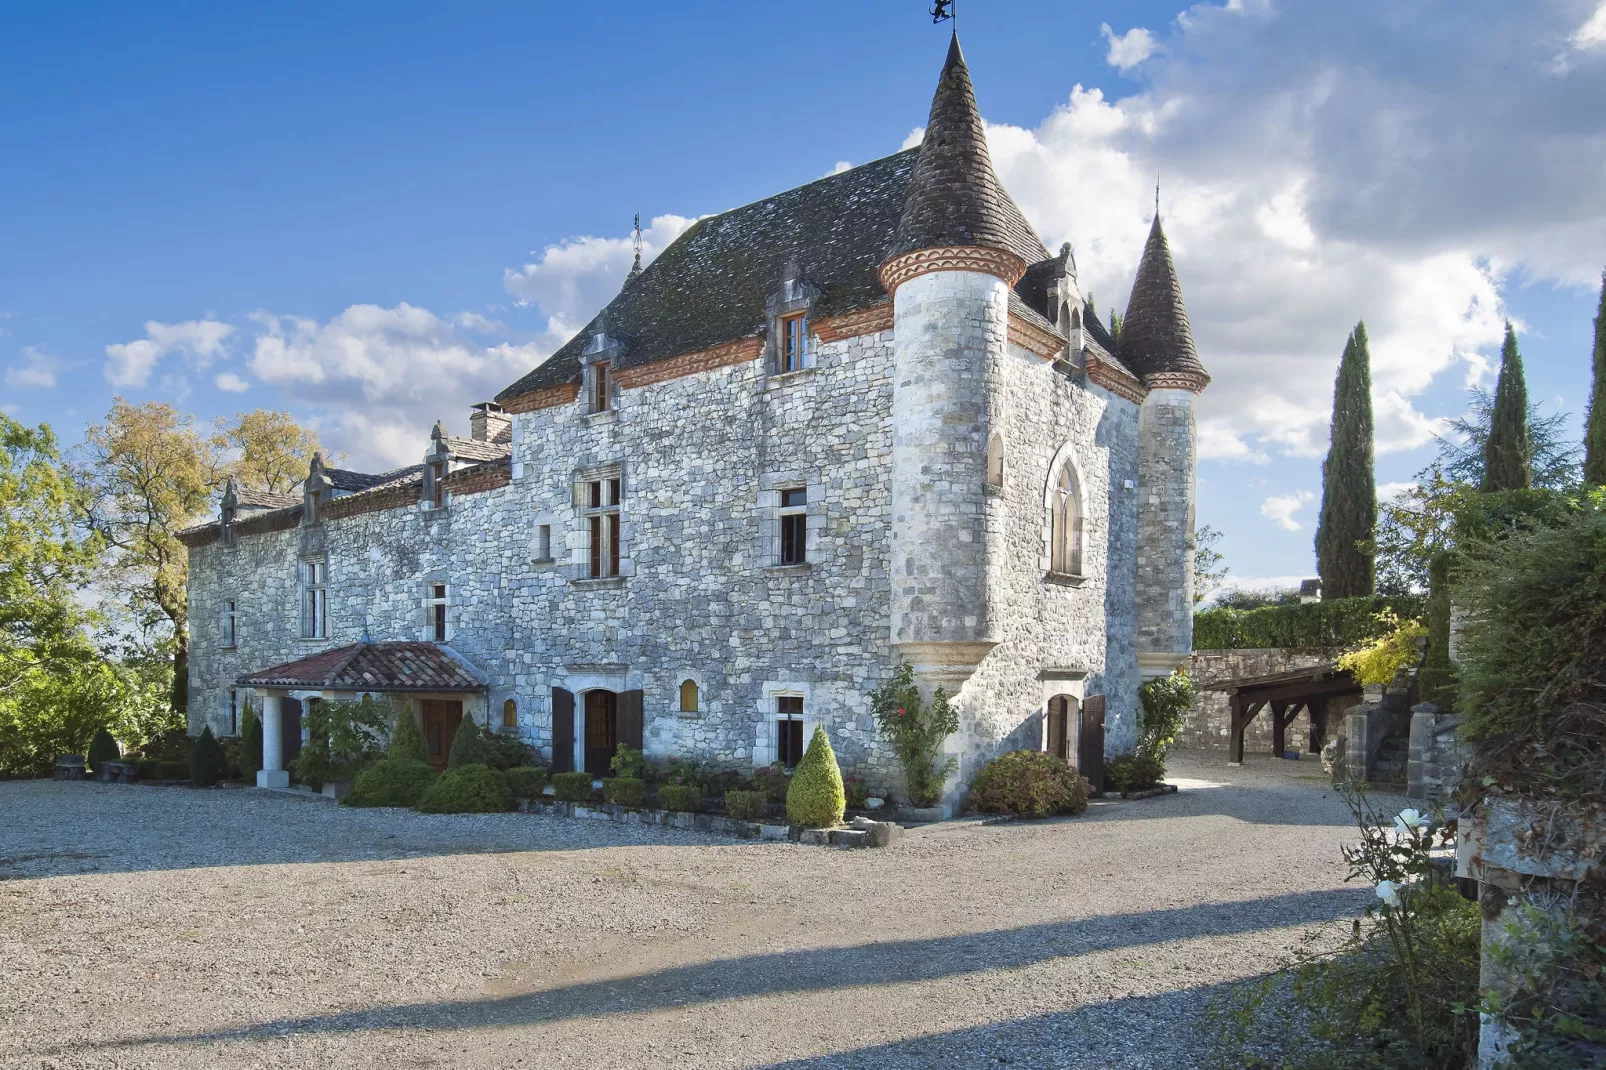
[441, 719]
[1090, 745]
[562, 730]
[631, 719]
[602, 731]
[1060, 726]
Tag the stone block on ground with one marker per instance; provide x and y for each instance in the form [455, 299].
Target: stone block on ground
[848, 837]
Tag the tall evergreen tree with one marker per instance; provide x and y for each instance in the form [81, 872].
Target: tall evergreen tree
[1349, 493]
[1507, 455]
[1595, 420]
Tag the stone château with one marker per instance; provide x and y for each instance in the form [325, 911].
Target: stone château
[866, 421]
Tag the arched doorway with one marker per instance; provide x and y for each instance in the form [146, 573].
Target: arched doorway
[1063, 722]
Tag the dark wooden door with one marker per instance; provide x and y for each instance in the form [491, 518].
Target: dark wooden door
[441, 719]
[562, 730]
[1090, 743]
[1059, 726]
[631, 726]
[290, 729]
[602, 731]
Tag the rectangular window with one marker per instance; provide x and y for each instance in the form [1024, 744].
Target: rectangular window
[789, 729]
[601, 373]
[437, 612]
[315, 604]
[602, 517]
[228, 625]
[437, 485]
[543, 543]
[234, 713]
[794, 526]
[794, 343]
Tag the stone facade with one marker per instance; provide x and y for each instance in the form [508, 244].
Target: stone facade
[1208, 722]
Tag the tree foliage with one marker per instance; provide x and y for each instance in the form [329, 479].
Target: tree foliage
[1595, 418]
[1507, 453]
[1208, 569]
[1327, 626]
[1344, 534]
[265, 450]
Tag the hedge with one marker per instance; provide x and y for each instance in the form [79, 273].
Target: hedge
[572, 787]
[1336, 624]
[748, 805]
[684, 797]
[468, 789]
[527, 781]
[391, 782]
[628, 791]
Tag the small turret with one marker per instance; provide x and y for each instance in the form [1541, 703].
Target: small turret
[1156, 340]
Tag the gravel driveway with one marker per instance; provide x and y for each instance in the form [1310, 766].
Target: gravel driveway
[168, 927]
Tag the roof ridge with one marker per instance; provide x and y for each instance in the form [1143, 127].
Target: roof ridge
[345, 663]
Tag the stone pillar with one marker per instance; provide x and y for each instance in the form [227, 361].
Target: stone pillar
[272, 774]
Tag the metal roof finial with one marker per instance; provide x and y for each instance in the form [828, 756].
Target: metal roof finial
[636, 268]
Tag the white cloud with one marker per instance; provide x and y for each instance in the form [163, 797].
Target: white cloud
[380, 377]
[232, 383]
[1592, 34]
[200, 341]
[575, 278]
[1128, 49]
[841, 165]
[37, 369]
[1389, 491]
[1280, 509]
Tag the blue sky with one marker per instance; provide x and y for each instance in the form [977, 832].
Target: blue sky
[374, 215]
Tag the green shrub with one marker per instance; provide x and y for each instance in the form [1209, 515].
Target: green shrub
[1332, 625]
[916, 732]
[1028, 783]
[526, 781]
[772, 780]
[1134, 772]
[468, 789]
[250, 744]
[145, 769]
[391, 782]
[103, 748]
[170, 745]
[686, 797]
[625, 791]
[468, 747]
[816, 799]
[855, 791]
[343, 738]
[172, 770]
[747, 805]
[406, 741]
[627, 762]
[206, 760]
[505, 750]
[572, 787]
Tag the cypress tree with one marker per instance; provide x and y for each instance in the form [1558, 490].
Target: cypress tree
[1349, 492]
[1595, 421]
[1506, 455]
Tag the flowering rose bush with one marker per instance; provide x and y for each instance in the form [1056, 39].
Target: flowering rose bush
[916, 732]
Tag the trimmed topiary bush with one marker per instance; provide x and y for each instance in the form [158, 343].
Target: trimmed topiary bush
[1134, 772]
[172, 770]
[816, 799]
[1028, 783]
[406, 741]
[505, 750]
[468, 747]
[468, 789]
[747, 805]
[625, 791]
[684, 797]
[206, 760]
[103, 748]
[572, 787]
[526, 781]
[392, 782]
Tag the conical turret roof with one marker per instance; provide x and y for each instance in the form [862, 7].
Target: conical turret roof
[954, 196]
[1155, 336]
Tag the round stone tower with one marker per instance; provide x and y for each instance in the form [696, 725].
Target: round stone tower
[1157, 344]
[950, 269]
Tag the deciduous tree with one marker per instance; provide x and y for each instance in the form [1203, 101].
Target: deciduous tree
[266, 450]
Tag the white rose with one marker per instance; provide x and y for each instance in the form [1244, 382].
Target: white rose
[1409, 821]
[1389, 892]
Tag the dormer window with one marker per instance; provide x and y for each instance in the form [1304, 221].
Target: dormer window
[601, 385]
[794, 340]
[437, 485]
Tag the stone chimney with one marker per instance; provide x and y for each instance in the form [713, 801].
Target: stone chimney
[487, 420]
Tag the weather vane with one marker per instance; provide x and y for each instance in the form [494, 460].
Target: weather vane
[942, 10]
[636, 241]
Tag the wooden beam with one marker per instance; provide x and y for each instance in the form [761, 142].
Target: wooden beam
[1307, 689]
[1279, 728]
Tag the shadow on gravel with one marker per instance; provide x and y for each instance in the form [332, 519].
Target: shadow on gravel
[1302, 804]
[1128, 1033]
[818, 969]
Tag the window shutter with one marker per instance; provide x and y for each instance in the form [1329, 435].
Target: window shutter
[630, 719]
[562, 730]
[1090, 748]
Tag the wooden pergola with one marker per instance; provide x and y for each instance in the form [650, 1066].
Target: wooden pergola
[1317, 690]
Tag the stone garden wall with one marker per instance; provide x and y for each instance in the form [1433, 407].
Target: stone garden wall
[1208, 722]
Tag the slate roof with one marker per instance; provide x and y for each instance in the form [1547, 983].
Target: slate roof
[351, 482]
[395, 666]
[246, 498]
[955, 197]
[1155, 336]
[473, 449]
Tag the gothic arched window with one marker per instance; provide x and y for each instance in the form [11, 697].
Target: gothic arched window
[995, 460]
[1065, 523]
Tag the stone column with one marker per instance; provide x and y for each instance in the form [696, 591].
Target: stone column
[272, 774]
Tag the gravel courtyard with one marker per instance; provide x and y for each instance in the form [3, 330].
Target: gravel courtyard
[167, 927]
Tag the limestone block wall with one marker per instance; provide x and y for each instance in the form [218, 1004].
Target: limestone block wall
[1208, 723]
[1165, 522]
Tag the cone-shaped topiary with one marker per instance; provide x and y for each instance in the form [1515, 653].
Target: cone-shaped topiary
[391, 782]
[406, 741]
[1507, 453]
[250, 744]
[816, 799]
[206, 760]
[468, 748]
[103, 748]
[1349, 497]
